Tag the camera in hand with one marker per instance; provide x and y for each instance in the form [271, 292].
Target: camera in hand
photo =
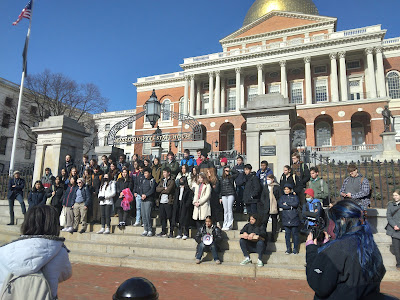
[318, 228]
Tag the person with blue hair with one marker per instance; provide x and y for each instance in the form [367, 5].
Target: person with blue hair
[350, 266]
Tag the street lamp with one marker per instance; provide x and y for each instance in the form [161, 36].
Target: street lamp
[216, 143]
[176, 144]
[153, 109]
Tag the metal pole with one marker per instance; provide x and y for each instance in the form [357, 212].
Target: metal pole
[21, 90]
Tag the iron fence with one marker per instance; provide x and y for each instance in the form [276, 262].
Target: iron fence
[383, 176]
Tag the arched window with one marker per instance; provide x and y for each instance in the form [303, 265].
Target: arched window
[393, 83]
[230, 139]
[299, 136]
[166, 116]
[323, 134]
[357, 133]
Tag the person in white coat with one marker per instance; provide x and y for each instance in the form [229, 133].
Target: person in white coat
[38, 249]
[107, 193]
[201, 200]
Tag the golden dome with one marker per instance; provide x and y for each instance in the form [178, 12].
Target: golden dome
[262, 7]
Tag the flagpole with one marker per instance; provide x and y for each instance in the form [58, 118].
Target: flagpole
[21, 90]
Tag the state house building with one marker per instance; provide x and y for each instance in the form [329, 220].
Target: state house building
[339, 80]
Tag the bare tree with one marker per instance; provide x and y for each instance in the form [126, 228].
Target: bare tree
[54, 94]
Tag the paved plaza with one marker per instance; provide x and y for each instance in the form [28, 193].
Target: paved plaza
[96, 282]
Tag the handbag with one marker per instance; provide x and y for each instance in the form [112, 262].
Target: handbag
[63, 217]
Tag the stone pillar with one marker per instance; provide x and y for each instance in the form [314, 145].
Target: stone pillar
[192, 91]
[217, 92]
[307, 68]
[334, 78]
[211, 93]
[253, 152]
[238, 93]
[198, 100]
[57, 136]
[284, 85]
[242, 97]
[371, 73]
[343, 76]
[260, 79]
[223, 95]
[186, 96]
[381, 81]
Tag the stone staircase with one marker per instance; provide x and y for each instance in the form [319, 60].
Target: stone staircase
[127, 248]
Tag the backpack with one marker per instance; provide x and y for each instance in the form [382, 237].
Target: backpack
[28, 287]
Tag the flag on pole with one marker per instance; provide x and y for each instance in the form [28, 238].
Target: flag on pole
[26, 13]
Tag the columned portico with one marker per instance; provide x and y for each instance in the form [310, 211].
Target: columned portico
[343, 76]
[186, 96]
[334, 78]
[217, 92]
[211, 93]
[380, 76]
[307, 68]
[284, 87]
[371, 87]
[238, 93]
[192, 92]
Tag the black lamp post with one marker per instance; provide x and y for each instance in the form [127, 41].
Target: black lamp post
[153, 109]
[216, 143]
[176, 144]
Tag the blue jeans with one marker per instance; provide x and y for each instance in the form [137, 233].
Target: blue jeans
[11, 200]
[146, 215]
[201, 248]
[138, 206]
[252, 247]
[294, 232]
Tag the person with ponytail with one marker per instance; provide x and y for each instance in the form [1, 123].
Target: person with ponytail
[350, 266]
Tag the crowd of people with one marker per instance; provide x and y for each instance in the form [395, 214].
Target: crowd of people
[193, 193]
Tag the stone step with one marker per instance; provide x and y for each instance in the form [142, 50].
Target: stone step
[6, 220]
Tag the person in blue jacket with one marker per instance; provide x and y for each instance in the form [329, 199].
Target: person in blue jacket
[38, 195]
[188, 160]
[312, 205]
[288, 204]
[263, 172]
[15, 191]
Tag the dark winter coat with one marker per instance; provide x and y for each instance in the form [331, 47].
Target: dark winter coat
[206, 164]
[252, 189]
[170, 191]
[120, 186]
[216, 206]
[288, 205]
[304, 174]
[174, 167]
[69, 196]
[335, 273]
[294, 180]
[216, 232]
[48, 180]
[263, 206]
[96, 182]
[227, 187]
[37, 198]
[68, 167]
[148, 188]
[17, 190]
[182, 212]
[56, 201]
[138, 182]
[255, 228]
[238, 174]
[393, 217]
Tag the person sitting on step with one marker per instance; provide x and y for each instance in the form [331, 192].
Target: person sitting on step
[253, 240]
[208, 237]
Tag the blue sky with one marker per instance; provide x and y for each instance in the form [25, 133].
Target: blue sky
[112, 43]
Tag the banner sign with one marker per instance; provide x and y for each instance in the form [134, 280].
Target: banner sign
[150, 138]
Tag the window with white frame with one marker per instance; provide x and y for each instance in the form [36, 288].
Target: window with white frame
[231, 99]
[146, 148]
[321, 90]
[166, 115]
[355, 89]
[296, 92]
[206, 103]
[393, 83]
[252, 92]
[230, 136]
[274, 88]
[323, 134]
[182, 105]
[165, 147]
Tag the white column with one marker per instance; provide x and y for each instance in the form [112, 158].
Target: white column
[371, 73]
[223, 95]
[198, 100]
[217, 92]
[284, 87]
[192, 92]
[334, 78]
[186, 96]
[381, 81]
[211, 93]
[307, 68]
[343, 76]
[242, 91]
[260, 79]
[238, 70]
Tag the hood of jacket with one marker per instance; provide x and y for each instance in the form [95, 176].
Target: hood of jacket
[27, 256]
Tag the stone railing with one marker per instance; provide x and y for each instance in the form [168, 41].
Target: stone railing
[347, 148]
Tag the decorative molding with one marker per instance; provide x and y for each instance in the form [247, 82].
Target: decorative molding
[192, 77]
[282, 63]
[342, 54]
[186, 77]
[307, 59]
[260, 67]
[211, 74]
[369, 51]
[333, 55]
[379, 49]
[217, 73]
[238, 70]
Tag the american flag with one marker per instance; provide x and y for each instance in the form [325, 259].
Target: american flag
[26, 13]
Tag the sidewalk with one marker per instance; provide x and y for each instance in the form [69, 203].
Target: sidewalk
[97, 282]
